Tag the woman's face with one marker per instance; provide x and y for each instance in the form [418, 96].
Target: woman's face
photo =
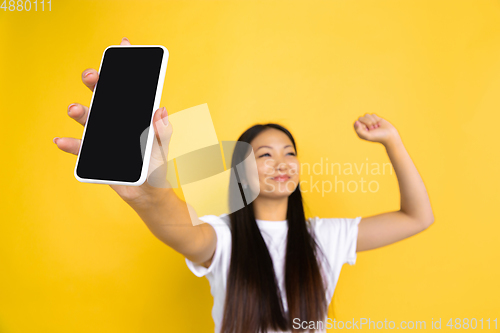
[277, 163]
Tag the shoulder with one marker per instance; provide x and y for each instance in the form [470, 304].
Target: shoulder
[220, 260]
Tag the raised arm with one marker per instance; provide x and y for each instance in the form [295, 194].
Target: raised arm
[415, 213]
[167, 216]
[162, 211]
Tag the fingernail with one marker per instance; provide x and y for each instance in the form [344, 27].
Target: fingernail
[55, 140]
[87, 74]
[164, 116]
[70, 106]
[125, 38]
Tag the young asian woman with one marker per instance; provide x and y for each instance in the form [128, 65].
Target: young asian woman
[267, 264]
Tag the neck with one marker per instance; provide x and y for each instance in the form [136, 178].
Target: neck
[270, 209]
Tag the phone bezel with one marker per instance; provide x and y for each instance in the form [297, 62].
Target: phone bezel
[149, 143]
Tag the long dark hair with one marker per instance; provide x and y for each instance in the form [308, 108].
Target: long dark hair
[253, 299]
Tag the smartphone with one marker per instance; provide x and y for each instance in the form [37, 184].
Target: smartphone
[118, 135]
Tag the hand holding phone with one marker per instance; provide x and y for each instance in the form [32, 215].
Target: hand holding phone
[155, 155]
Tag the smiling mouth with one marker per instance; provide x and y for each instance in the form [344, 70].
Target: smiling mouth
[282, 178]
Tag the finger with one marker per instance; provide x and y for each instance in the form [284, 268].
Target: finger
[125, 41]
[372, 120]
[78, 112]
[377, 120]
[69, 145]
[162, 127]
[157, 172]
[369, 121]
[366, 121]
[90, 77]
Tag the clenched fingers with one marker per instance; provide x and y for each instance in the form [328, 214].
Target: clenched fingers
[370, 121]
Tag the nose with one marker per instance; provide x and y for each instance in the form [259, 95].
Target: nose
[280, 165]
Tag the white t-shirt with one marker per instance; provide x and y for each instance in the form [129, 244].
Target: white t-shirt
[337, 238]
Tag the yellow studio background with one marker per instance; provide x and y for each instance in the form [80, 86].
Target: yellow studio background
[75, 258]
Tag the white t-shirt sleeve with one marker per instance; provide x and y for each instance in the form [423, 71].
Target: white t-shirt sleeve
[350, 230]
[223, 242]
[339, 238]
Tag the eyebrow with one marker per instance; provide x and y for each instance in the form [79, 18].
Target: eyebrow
[272, 147]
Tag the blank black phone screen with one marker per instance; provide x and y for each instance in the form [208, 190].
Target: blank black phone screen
[121, 110]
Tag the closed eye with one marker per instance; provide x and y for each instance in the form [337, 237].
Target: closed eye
[293, 154]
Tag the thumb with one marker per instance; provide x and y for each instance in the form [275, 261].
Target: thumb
[159, 153]
[163, 133]
[162, 127]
